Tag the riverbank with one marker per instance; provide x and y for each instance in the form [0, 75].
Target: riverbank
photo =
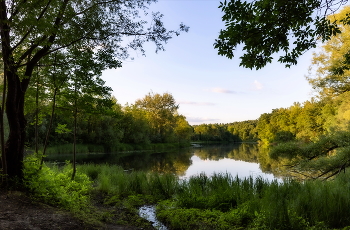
[120, 148]
[105, 194]
[19, 211]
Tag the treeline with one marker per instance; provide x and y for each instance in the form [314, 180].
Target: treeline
[301, 121]
[108, 126]
[232, 132]
[306, 122]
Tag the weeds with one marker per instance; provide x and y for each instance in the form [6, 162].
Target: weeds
[111, 179]
[201, 202]
[55, 186]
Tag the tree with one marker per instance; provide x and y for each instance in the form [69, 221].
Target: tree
[183, 130]
[161, 112]
[325, 76]
[325, 158]
[267, 27]
[135, 126]
[33, 30]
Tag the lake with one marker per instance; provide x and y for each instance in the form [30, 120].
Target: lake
[237, 159]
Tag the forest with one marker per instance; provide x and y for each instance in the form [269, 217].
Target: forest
[53, 100]
[68, 103]
[105, 126]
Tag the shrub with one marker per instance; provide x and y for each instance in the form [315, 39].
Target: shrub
[55, 186]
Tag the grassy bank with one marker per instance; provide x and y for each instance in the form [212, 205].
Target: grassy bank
[218, 202]
[226, 202]
[120, 147]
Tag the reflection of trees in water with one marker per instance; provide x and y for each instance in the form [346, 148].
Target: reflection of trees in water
[244, 152]
[279, 168]
[178, 162]
[175, 162]
[170, 162]
[248, 152]
[214, 152]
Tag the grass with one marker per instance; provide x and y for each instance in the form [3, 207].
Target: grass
[119, 147]
[201, 202]
[259, 204]
[232, 202]
[80, 148]
[113, 180]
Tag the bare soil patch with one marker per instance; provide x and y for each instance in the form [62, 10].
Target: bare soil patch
[18, 212]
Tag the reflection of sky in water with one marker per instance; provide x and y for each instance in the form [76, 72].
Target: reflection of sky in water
[234, 167]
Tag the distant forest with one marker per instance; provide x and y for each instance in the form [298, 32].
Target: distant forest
[154, 119]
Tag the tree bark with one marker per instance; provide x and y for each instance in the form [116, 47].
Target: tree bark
[50, 125]
[14, 148]
[2, 134]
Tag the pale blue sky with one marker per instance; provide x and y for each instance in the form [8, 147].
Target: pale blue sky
[209, 88]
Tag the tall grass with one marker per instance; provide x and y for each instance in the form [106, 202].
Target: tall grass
[230, 202]
[119, 147]
[80, 148]
[112, 179]
[267, 205]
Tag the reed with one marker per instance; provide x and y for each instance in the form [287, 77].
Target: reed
[267, 205]
[112, 179]
[80, 148]
[252, 203]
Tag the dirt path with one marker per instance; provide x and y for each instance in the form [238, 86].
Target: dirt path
[18, 212]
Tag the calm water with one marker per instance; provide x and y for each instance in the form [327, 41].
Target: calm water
[236, 159]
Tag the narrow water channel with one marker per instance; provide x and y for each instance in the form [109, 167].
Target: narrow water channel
[148, 212]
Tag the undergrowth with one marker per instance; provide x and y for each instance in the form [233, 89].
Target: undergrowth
[224, 202]
[54, 186]
[201, 202]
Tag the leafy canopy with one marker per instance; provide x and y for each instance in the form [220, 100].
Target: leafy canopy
[330, 69]
[268, 27]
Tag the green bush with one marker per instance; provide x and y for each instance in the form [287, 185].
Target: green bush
[55, 186]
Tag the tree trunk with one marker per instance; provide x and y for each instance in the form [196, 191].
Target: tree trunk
[37, 115]
[50, 125]
[2, 134]
[14, 148]
[75, 131]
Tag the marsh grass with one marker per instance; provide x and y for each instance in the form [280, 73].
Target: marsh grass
[260, 204]
[222, 201]
[80, 148]
[112, 179]
[119, 147]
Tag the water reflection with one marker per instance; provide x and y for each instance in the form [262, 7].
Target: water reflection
[238, 159]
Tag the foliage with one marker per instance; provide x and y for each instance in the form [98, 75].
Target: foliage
[85, 36]
[244, 130]
[161, 113]
[183, 131]
[260, 204]
[202, 202]
[54, 186]
[193, 218]
[324, 76]
[112, 180]
[326, 157]
[213, 132]
[107, 124]
[266, 27]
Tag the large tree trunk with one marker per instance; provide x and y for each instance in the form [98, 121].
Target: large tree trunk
[14, 148]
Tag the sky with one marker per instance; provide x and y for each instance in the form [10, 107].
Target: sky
[208, 88]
